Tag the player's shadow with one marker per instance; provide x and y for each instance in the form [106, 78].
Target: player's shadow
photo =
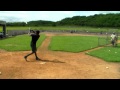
[54, 61]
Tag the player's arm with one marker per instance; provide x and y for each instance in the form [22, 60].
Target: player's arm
[31, 32]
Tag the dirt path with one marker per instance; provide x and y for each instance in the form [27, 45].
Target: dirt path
[55, 65]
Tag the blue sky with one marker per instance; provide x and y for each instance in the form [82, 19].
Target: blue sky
[25, 16]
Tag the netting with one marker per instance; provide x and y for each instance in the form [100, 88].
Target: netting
[105, 38]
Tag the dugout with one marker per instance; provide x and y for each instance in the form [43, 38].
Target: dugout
[3, 24]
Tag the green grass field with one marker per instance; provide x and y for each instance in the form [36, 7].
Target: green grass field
[73, 43]
[19, 43]
[80, 28]
[110, 54]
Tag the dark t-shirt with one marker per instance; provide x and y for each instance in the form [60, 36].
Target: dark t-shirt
[35, 38]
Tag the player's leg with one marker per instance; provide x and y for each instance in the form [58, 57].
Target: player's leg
[112, 42]
[36, 56]
[35, 50]
[32, 47]
[27, 56]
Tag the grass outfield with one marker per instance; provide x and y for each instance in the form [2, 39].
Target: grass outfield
[110, 54]
[73, 43]
[80, 28]
[19, 43]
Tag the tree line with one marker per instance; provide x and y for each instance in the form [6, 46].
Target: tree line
[97, 20]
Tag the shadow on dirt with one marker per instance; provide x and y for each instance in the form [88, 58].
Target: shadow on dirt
[54, 61]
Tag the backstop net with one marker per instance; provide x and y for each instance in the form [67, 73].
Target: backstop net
[105, 38]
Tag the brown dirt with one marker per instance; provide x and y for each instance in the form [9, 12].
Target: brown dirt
[55, 65]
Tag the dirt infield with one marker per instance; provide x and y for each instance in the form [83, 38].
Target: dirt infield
[55, 65]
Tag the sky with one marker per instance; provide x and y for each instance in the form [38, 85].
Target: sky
[26, 16]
